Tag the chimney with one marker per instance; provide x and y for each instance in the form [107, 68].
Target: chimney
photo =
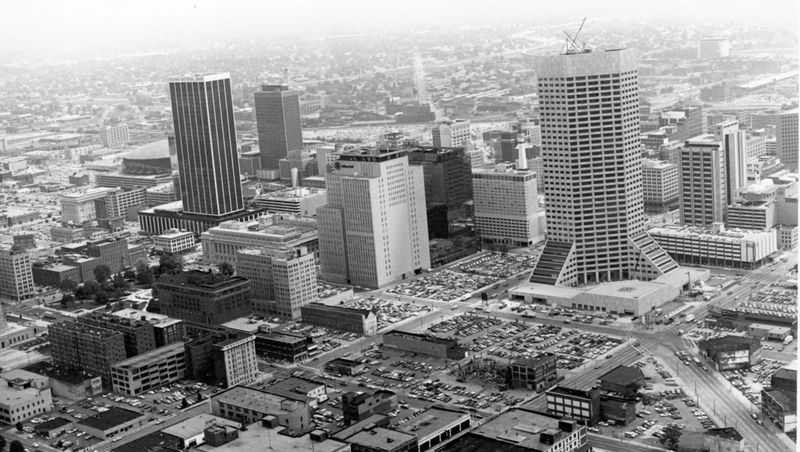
[522, 163]
[295, 177]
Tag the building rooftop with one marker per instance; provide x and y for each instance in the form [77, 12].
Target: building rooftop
[53, 424]
[174, 234]
[729, 433]
[787, 400]
[152, 355]
[287, 338]
[155, 150]
[195, 425]
[729, 342]
[431, 421]
[422, 337]
[258, 438]
[106, 420]
[293, 193]
[515, 429]
[623, 375]
[254, 399]
[381, 439]
[698, 231]
[339, 309]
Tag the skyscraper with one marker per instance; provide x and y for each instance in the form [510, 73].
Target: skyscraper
[733, 145]
[205, 138]
[373, 231]
[703, 182]
[16, 275]
[278, 122]
[592, 172]
[786, 134]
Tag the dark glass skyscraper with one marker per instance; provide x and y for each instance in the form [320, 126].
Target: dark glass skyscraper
[205, 138]
[278, 120]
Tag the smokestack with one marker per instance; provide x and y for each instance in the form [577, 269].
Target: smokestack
[522, 157]
[295, 178]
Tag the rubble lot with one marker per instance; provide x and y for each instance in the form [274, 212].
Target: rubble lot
[445, 285]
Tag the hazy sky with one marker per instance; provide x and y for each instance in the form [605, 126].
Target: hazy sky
[38, 27]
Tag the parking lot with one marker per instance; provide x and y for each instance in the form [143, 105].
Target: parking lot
[157, 405]
[445, 285]
[387, 311]
[664, 402]
[498, 265]
[750, 381]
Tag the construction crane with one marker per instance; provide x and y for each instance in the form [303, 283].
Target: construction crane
[571, 44]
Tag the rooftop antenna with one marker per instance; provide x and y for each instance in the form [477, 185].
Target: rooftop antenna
[571, 44]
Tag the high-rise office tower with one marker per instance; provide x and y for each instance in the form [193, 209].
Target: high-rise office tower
[703, 184]
[278, 122]
[506, 206]
[786, 138]
[373, 231]
[733, 145]
[16, 275]
[205, 139]
[589, 104]
[451, 134]
[419, 80]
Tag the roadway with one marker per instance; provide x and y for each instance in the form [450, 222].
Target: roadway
[181, 416]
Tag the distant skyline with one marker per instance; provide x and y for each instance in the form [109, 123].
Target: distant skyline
[90, 28]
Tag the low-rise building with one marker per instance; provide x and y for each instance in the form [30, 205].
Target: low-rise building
[249, 405]
[780, 407]
[23, 395]
[149, 370]
[292, 348]
[522, 430]
[302, 201]
[113, 422]
[191, 432]
[707, 247]
[424, 344]
[379, 439]
[534, 374]
[621, 410]
[344, 366]
[623, 380]
[731, 352]
[53, 427]
[360, 405]
[751, 215]
[174, 241]
[359, 321]
[436, 426]
[583, 405]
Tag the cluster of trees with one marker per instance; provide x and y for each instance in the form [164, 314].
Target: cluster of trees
[14, 446]
[106, 286]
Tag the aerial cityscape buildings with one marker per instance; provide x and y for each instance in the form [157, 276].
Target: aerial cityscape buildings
[375, 235]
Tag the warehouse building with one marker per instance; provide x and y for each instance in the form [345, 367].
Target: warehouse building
[424, 344]
[731, 352]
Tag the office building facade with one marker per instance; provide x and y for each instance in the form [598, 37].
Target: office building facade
[593, 172]
[735, 157]
[203, 299]
[505, 207]
[235, 361]
[660, 182]
[16, 275]
[115, 135]
[149, 370]
[703, 182]
[278, 122]
[451, 134]
[786, 138]
[359, 321]
[205, 140]
[85, 348]
[373, 231]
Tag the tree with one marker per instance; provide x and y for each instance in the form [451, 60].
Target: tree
[65, 301]
[185, 403]
[101, 297]
[129, 275]
[199, 396]
[225, 268]
[102, 273]
[119, 282]
[2, 443]
[68, 286]
[672, 435]
[16, 446]
[19, 427]
[170, 264]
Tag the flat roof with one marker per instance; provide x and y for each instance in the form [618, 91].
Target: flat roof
[431, 421]
[53, 424]
[519, 427]
[380, 439]
[106, 420]
[625, 289]
[258, 438]
[195, 425]
[152, 355]
[245, 324]
[253, 399]
[623, 375]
